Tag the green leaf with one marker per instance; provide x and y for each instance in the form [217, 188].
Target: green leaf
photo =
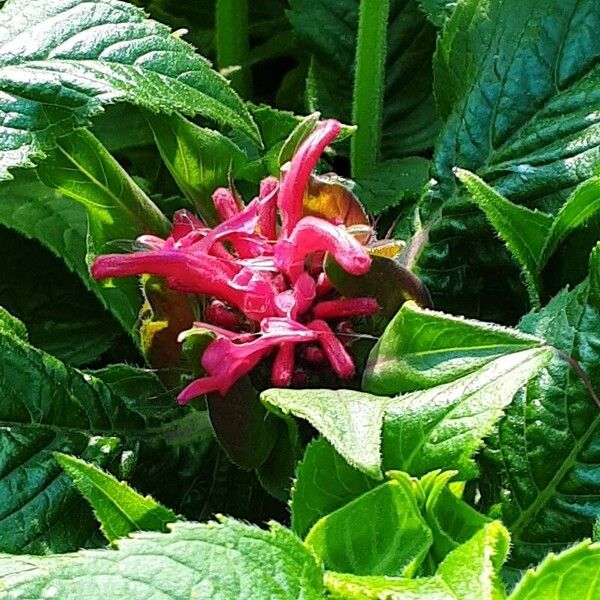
[80, 168]
[470, 571]
[571, 575]
[516, 101]
[392, 183]
[350, 420]
[49, 407]
[394, 543]
[547, 446]
[229, 559]
[524, 231]
[438, 11]
[329, 29]
[582, 205]
[387, 281]
[297, 136]
[119, 508]
[452, 521]
[422, 348]
[324, 483]
[441, 427]
[56, 72]
[199, 160]
[63, 318]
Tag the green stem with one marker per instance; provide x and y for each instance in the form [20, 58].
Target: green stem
[371, 49]
[233, 43]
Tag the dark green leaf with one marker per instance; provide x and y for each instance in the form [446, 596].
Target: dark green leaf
[119, 508]
[56, 72]
[438, 11]
[329, 29]
[387, 281]
[547, 447]
[380, 533]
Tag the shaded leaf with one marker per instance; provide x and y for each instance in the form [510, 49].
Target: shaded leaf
[119, 508]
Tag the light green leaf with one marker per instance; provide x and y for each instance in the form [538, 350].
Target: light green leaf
[117, 209]
[470, 571]
[119, 508]
[441, 427]
[350, 420]
[422, 348]
[61, 61]
[571, 575]
[293, 141]
[199, 160]
[582, 205]
[324, 483]
[546, 449]
[380, 533]
[524, 231]
[228, 560]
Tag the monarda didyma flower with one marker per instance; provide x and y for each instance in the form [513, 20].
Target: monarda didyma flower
[266, 283]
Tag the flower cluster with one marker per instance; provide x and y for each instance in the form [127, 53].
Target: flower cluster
[264, 278]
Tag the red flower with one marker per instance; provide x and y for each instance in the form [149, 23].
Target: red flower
[259, 278]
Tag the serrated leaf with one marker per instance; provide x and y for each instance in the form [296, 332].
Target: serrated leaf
[524, 231]
[441, 427]
[324, 483]
[517, 101]
[230, 559]
[470, 571]
[56, 71]
[568, 576]
[422, 348]
[119, 508]
[581, 206]
[393, 182]
[547, 446]
[350, 420]
[49, 407]
[117, 209]
[329, 29]
[198, 158]
[438, 11]
[349, 540]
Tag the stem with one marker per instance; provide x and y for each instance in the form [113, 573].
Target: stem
[233, 43]
[367, 109]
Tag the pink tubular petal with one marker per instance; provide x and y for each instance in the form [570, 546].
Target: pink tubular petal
[220, 314]
[244, 222]
[292, 189]
[283, 367]
[324, 285]
[345, 308]
[267, 212]
[199, 387]
[225, 204]
[184, 272]
[258, 293]
[184, 222]
[341, 362]
[312, 234]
